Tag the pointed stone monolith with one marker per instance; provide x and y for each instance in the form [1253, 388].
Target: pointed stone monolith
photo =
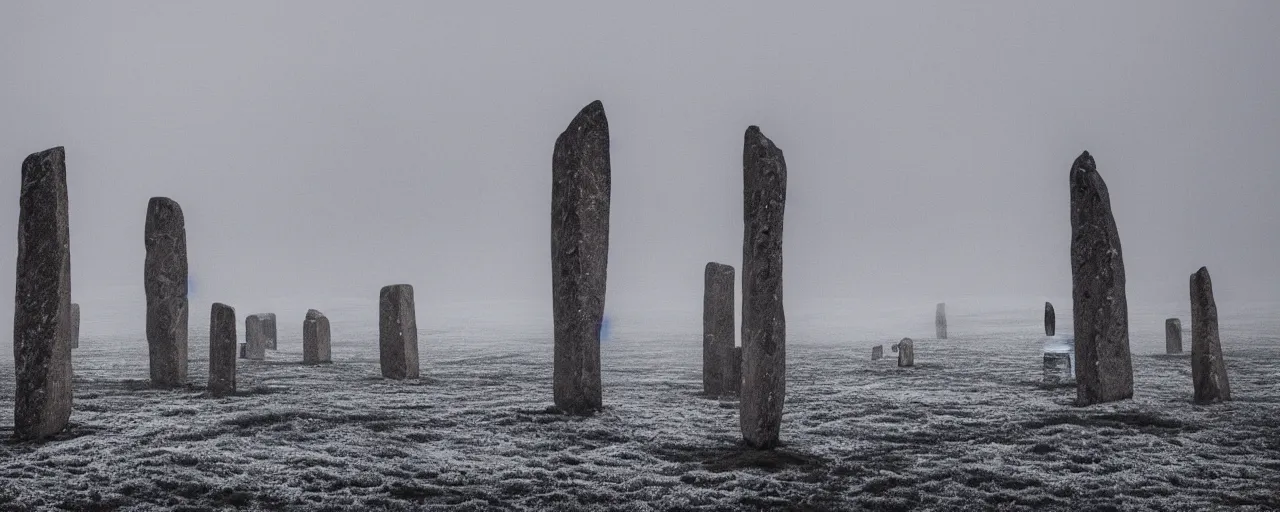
[315, 338]
[75, 325]
[940, 321]
[222, 350]
[906, 352]
[42, 303]
[397, 332]
[580, 193]
[1104, 366]
[877, 352]
[255, 337]
[1173, 336]
[165, 281]
[1050, 320]
[1208, 369]
[717, 329]
[764, 328]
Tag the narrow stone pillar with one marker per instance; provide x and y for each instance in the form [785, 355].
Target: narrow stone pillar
[269, 328]
[1208, 370]
[165, 280]
[764, 330]
[315, 338]
[255, 337]
[940, 321]
[1173, 336]
[1104, 366]
[42, 305]
[877, 352]
[75, 325]
[735, 373]
[717, 329]
[906, 352]
[1050, 320]
[222, 350]
[580, 192]
[397, 332]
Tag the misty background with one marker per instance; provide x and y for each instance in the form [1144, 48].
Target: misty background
[323, 149]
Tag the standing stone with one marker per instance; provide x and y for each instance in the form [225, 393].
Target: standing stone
[1208, 370]
[940, 321]
[877, 352]
[580, 191]
[764, 330]
[1050, 320]
[1104, 366]
[75, 326]
[717, 329]
[222, 350]
[1173, 336]
[315, 338]
[165, 280]
[397, 332]
[735, 373]
[255, 337]
[42, 302]
[906, 352]
[269, 327]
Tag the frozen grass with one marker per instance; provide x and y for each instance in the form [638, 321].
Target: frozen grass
[970, 427]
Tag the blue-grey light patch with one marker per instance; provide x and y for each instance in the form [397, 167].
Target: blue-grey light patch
[604, 329]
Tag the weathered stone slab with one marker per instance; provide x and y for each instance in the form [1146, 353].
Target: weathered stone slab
[397, 332]
[165, 280]
[877, 352]
[1208, 369]
[1050, 320]
[269, 326]
[75, 325]
[315, 338]
[255, 337]
[42, 302]
[940, 321]
[717, 330]
[1104, 366]
[1173, 336]
[580, 197]
[764, 330]
[906, 352]
[222, 350]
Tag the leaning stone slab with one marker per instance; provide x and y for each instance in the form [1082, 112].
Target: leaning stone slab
[165, 280]
[580, 197]
[1208, 370]
[42, 305]
[397, 332]
[255, 337]
[75, 326]
[1173, 336]
[940, 321]
[1050, 320]
[222, 350]
[764, 329]
[717, 330]
[315, 338]
[877, 352]
[906, 352]
[1104, 366]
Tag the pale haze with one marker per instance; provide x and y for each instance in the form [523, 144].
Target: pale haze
[325, 149]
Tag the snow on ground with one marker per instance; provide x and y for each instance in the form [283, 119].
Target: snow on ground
[970, 427]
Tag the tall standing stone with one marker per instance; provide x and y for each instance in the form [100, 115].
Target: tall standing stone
[42, 302]
[764, 329]
[1173, 336]
[222, 350]
[1104, 366]
[1050, 320]
[397, 332]
[75, 325]
[269, 326]
[906, 352]
[165, 280]
[940, 321]
[717, 330]
[580, 191]
[1208, 370]
[735, 373]
[315, 338]
[255, 337]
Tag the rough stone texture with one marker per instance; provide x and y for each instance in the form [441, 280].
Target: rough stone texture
[940, 321]
[269, 325]
[580, 192]
[244, 351]
[877, 352]
[717, 330]
[735, 373]
[1173, 336]
[1050, 320]
[255, 337]
[1208, 370]
[316, 347]
[764, 329]
[165, 280]
[397, 332]
[75, 326]
[906, 352]
[1104, 366]
[222, 350]
[893, 347]
[42, 302]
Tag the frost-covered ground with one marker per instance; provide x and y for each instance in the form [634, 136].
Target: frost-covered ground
[970, 427]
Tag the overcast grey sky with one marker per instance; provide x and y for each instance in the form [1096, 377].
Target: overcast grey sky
[330, 148]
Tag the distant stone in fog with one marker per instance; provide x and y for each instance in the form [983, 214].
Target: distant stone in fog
[1173, 336]
[165, 281]
[255, 337]
[1050, 320]
[1104, 366]
[1208, 370]
[75, 326]
[1057, 367]
[397, 332]
[906, 352]
[717, 330]
[42, 305]
[877, 352]
[315, 338]
[940, 321]
[764, 329]
[268, 326]
[580, 198]
[222, 350]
